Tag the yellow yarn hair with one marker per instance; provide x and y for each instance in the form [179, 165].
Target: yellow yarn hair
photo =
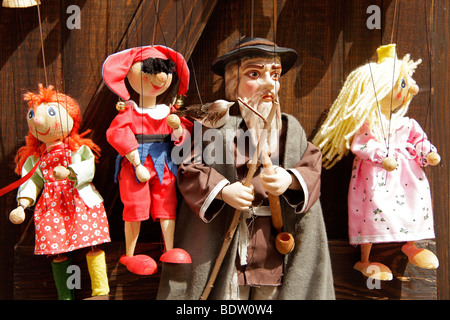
[357, 103]
[97, 271]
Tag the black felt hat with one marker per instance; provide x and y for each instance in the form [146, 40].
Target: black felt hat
[254, 47]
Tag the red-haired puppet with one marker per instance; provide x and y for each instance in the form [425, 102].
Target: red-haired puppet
[143, 135]
[69, 214]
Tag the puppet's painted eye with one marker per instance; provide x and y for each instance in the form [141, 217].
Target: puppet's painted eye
[51, 111]
[253, 74]
[30, 114]
[403, 84]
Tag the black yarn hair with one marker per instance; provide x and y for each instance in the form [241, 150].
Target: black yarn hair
[157, 65]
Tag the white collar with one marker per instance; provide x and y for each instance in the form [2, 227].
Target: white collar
[160, 111]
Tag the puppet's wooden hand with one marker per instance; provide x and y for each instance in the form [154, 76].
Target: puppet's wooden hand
[433, 158]
[389, 164]
[142, 173]
[174, 122]
[238, 196]
[276, 184]
[17, 216]
[60, 172]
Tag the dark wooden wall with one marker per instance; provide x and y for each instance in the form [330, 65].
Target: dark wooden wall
[331, 38]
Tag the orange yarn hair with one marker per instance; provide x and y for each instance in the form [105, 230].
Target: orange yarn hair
[74, 141]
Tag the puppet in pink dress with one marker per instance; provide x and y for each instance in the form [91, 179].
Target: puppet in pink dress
[69, 213]
[389, 197]
[390, 206]
[143, 134]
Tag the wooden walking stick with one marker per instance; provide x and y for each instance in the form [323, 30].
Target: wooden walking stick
[237, 214]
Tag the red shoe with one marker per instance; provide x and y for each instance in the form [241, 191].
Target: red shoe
[176, 256]
[140, 264]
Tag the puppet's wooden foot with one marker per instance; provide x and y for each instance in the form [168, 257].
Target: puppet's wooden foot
[139, 264]
[374, 270]
[176, 255]
[420, 257]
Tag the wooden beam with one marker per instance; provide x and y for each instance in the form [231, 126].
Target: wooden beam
[438, 19]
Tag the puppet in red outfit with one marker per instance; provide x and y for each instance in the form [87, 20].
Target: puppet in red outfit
[143, 134]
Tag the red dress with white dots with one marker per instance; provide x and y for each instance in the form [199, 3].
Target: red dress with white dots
[63, 222]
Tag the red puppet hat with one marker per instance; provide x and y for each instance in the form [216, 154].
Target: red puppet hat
[116, 67]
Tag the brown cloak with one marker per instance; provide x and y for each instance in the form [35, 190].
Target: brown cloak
[307, 270]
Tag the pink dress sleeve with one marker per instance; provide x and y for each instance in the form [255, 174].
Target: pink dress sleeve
[366, 146]
[421, 145]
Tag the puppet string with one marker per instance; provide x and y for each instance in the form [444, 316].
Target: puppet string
[393, 20]
[430, 57]
[154, 24]
[42, 44]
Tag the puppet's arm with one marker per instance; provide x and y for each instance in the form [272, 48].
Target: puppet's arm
[82, 169]
[366, 146]
[27, 192]
[17, 216]
[202, 188]
[237, 195]
[121, 137]
[299, 185]
[174, 122]
[142, 172]
[425, 151]
[277, 183]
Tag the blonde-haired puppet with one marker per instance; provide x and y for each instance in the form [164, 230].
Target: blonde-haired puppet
[389, 196]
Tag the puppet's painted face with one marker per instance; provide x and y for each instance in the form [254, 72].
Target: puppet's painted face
[49, 122]
[259, 79]
[258, 86]
[148, 84]
[404, 89]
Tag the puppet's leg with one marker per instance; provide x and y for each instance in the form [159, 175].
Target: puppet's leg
[372, 270]
[132, 230]
[172, 255]
[420, 257]
[164, 208]
[98, 272]
[135, 199]
[168, 230]
[59, 268]
[139, 264]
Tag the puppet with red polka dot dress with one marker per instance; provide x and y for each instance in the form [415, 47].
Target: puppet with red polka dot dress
[70, 214]
[144, 134]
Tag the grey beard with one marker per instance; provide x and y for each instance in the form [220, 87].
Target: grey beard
[255, 124]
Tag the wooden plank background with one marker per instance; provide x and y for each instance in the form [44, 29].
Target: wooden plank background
[331, 38]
